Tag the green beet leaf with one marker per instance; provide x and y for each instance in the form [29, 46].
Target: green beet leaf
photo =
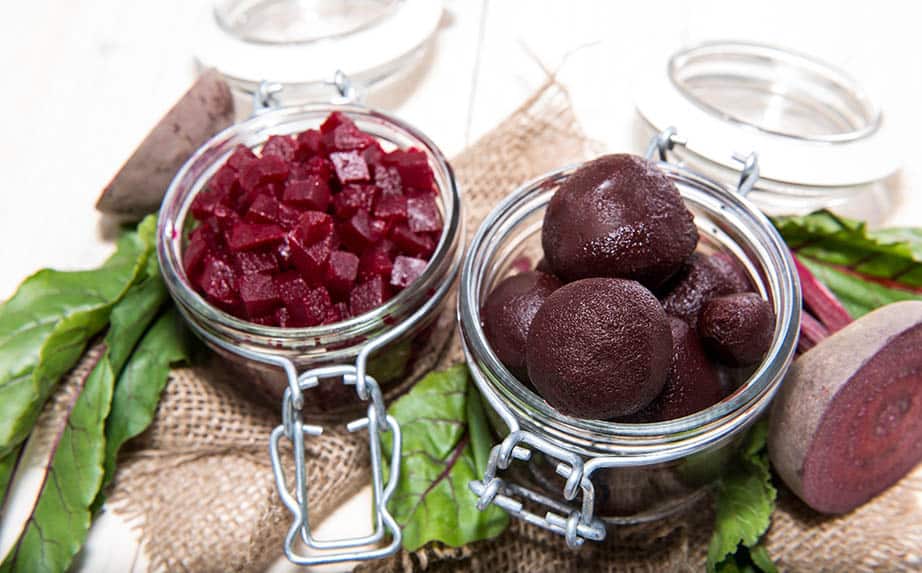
[46, 325]
[745, 501]
[864, 269]
[446, 444]
[61, 517]
[140, 384]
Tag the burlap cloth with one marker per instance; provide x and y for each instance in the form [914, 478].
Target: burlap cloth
[199, 488]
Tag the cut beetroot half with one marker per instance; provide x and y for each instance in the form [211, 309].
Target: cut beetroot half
[847, 422]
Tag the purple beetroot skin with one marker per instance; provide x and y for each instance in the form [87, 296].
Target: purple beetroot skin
[618, 216]
[508, 313]
[599, 348]
[737, 329]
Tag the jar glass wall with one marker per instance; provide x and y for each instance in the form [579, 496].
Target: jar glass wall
[652, 468]
[337, 343]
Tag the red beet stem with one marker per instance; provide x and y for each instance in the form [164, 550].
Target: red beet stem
[820, 301]
[812, 332]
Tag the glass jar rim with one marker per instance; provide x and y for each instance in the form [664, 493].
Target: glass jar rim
[708, 424]
[169, 235]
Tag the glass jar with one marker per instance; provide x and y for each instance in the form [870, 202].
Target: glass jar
[416, 319]
[825, 142]
[624, 473]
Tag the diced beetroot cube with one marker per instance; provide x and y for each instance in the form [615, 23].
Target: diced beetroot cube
[334, 120]
[335, 315]
[288, 216]
[318, 306]
[308, 144]
[413, 167]
[258, 294]
[375, 264]
[251, 175]
[423, 214]
[218, 281]
[311, 227]
[360, 231]
[388, 180]
[311, 258]
[368, 296]
[391, 206]
[342, 270]
[241, 156]
[315, 166]
[380, 228]
[306, 306]
[309, 193]
[373, 154]
[250, 262]
[280, 145]
[224, 181]
[265, 209]
[204, 203]
[224, 218]
[194, 255]
[265, 170]
[246, 199]
[350, 166]
[354, 198]
[245, 235]
[341, 312]
[415, 244]
[347, 137]
[406, 270]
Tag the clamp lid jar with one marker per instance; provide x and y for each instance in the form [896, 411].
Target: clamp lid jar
[588, 474]
[823, 140]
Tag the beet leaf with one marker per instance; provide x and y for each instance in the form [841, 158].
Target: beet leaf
[446, 444]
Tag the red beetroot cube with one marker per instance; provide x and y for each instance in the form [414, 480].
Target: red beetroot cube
[385, 246]
[346, 137]
[224, 181]
[414, 244]
[360, 231]
[373, 154]
[258, 294]
[279, 145]
[194, 256]
[240, 157]
[251, 262]
[406, 270]
[311, 227]
[423, 214]
[341, 312]
[269, 169]
[306, 306]
[375, 264]
[264, 209]
[413, 167]
[244, 236]
[317, 166]
[368, 296]
[308, 144]
[219, 282]
[350, 166]
[334, 120]
[354, 198]
[311, 258]
[342, 270]
[318, 306]
[204, 203]
[388, 180]
[309, 193]
[224, 218]
[288, 216]
[391, 206]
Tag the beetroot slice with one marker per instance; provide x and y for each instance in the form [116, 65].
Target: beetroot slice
[847, 423]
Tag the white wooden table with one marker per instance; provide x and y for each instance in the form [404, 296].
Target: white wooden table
[85, 80]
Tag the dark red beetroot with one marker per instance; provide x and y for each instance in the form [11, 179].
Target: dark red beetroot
[618, 216]
[315, 229]
[701, 279]
[737, 329]
[692, 384]
[599, 348]
[509, 311]
[847, 422]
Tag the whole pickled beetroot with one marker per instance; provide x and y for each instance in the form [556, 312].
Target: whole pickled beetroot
[692, 384]
[618, 216]
[737, 328]
[701, 279]
[599, 348]
[509, 311]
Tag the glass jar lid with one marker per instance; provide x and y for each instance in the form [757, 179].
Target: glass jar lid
[811, 123]
[298, 42]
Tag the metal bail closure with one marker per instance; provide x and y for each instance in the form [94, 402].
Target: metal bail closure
[665, 141]
[267, 94]
[293, 428]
